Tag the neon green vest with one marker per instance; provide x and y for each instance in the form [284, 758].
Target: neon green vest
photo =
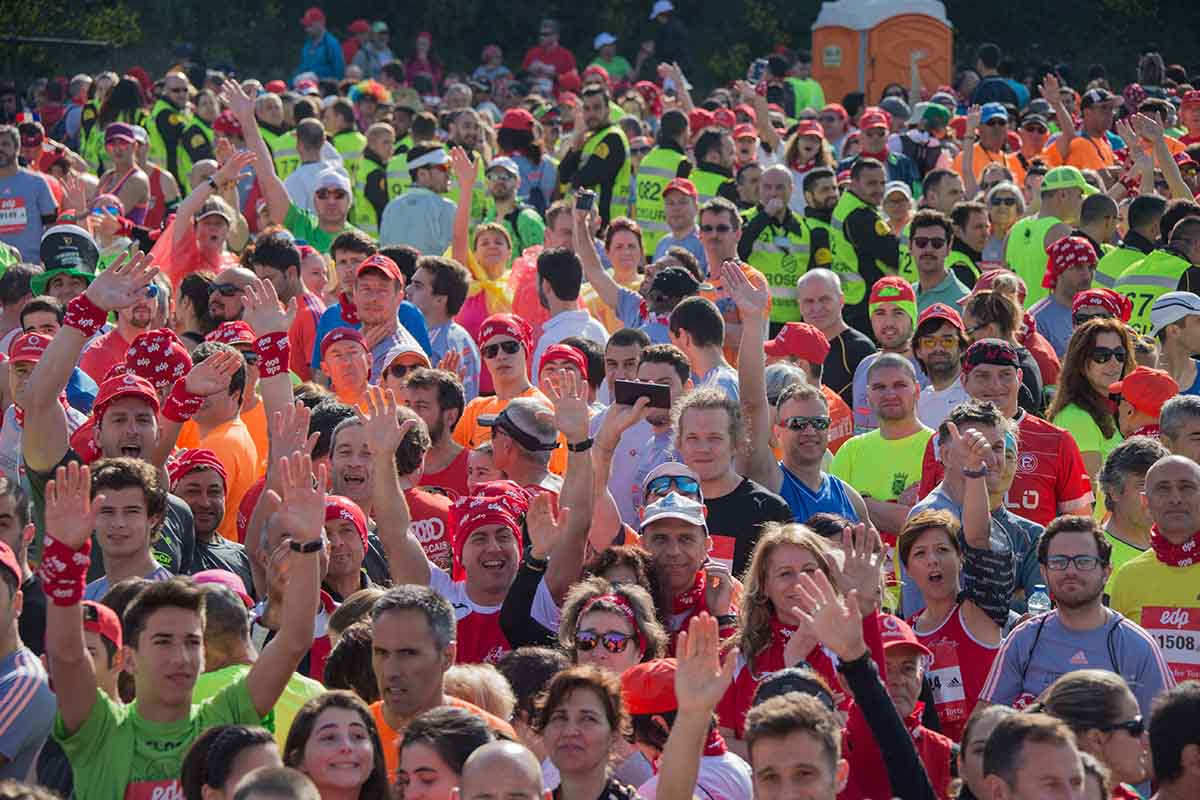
[478, 192]
[284, 153]
[1113, 263]
[398, 179]
[956, 257]
[838, 256]
[707, 184]
[1147, 280]
[350, 145]
[1025, 254]
[362, 212]
[782, 256]
[847, 204]
[619, 207]
[657, 169]
[185, 158]
[87, 131]
[908, 266]
[158, 147]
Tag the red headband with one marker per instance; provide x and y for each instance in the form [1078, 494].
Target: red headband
[1070, 251]
[507, 325]
[564, 352]
[232, 332]
[1118, 305]
[159, 357]
[494, 503]
[187, 460]
[625, 609]
[339, 508]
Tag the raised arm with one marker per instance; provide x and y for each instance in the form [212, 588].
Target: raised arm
[593, 271]
[762, 116]
[976, 454]
[287, 432]
[755, 459]
[682, 93]
[242, 106]
[1151, 130]
[264, 313]
[302, 516]
[44, 440]
[970, 185]
[465, 174]
[606, 517]
[569, 396]
[205, 379]
[1051, 92]
[70, 516]
[227, 173]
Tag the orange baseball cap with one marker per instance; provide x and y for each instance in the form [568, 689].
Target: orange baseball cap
[649, 687]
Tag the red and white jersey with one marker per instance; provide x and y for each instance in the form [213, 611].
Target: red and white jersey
[1051, 478]
[431, 525]
[480, 638]
[960, 667]
[739, 697]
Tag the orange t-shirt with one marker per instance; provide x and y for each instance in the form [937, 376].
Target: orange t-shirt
[841, 418]
[390, 738]
[1085, 153]
[724, 302]
[232, 443]
[983, 158]
[256, 423]
[470, 434]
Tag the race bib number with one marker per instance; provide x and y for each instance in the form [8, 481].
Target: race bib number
[1177, 631]
[154, 790]
[13, 214]
[945, 678]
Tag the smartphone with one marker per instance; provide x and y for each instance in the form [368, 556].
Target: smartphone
[626, 393]
[584, 200]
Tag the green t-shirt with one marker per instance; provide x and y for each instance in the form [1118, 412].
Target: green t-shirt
[303, 224]
[881, 468]
[1122, 552]
[118, 755]
[1085, 430]
[299, 691]
[617, 69]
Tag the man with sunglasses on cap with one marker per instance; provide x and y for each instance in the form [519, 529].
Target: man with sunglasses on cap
[523, 437]
[422, 217]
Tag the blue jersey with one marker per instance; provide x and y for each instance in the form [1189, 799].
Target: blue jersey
[831, 498]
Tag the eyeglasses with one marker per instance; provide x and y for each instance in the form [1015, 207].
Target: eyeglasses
[1079, 319]
[398, 371]
[492, 350]
[663, 484]
[226, 289]
[1003, 201]
[929, 242]
[613, 641]
[336, 194]
[501, 175]
[944, 342]
[717, 228]
[1102, 355]
[1134, 727]
[1083, 563]
[804, 423]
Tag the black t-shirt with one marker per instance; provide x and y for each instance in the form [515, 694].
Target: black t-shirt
[220, 553]
[32, 624]
[846, 350]
[740, 515]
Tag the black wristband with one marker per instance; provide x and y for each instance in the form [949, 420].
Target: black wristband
[315, 546]
[725, 620]
[580, 447]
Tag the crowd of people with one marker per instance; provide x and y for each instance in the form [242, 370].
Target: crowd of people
[390, 432]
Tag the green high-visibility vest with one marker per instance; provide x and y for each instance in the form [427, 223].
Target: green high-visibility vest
[1025, 254]
[707, 183]
[782, 256]
[847, 204]
[1113, 264]
[908, 266]
[87, 125]
[620, 204]
[957, 257]
[362, 212]
[158, 146]
[202, 128]
[398, 179]
[657, 169]
[832, 250]
[1147, 280]
[350, 146]
[284, 152]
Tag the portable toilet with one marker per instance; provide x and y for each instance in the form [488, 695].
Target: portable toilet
[863, 45]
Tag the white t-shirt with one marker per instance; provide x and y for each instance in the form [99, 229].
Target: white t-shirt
[723, 777]
[569, 323]
[934, 405]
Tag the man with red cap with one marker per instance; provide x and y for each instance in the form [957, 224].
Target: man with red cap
[240, 336]
[1070, 269]
[1142, 394]
[836, 123]
[680, 209]
[360, 32]
[378, 293]
[346, 531]
[345, 360]
[875, 124]
[321, 54]
[940, 341]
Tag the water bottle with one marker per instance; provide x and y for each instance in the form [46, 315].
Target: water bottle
[1039, 601]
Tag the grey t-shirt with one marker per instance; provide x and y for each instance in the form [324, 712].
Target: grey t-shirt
[25, 198]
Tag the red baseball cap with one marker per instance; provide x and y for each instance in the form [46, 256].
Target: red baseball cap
[810, 127]
[942, 311]
[873, 119]
[517, 119]
[312, 15]
[745, 131]
[28, 348]
[8, 561]
[895, 632]
[223, 577]
[232, 332]
[985, 280]
[649, 687]
[99, 618]
[1146, 389]
[127, 385]
[725, 118]
[748, 110]
[892, 289]
[681, 185]
[343, 334]
[699, 119]
[381, 263]
[1191, 97]
[276, 86]
[836, 108]
[801, 340]
[359, 26]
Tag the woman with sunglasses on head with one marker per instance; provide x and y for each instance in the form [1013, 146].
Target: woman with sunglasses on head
[1098, 355]
[991, 314]
[1105, 716]
[333, 740]
[1005, 205]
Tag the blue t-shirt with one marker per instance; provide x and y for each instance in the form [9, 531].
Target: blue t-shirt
[81, 391]
[691, 243]
[27, 709]
[410, 317]
[629, 311]
[452, 336]
[25, 198]
[1055, 322]
[831, 498]
[1195, 387]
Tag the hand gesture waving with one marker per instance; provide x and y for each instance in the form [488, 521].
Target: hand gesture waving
[751, 300]
[288, 432]
[1050, 89]
[75, 194]
[837, 622]
[1146, 127]
[70, 515]
[123, 283]
[862, 567]
[382, 426]
[718, 588]
[569, 396]
[618, 419]
[700, 677]
[545, 527]
[212, 375]
[974, 113]
[464, 169]
[302, 499]
[452, 362]
[231, 168]
[264, 313]
[240, 103]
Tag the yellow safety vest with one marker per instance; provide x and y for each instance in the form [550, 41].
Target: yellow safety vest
[908, 266]
[350, 145]
[1147, 280]
[782, 256]
[707, 183]
[398, 179]
[284, 152]
[157, 152]
[839, 256]
[847, 204]
[957, 257]
[657, 169]
[620, 203]
[362, 212]
[1025, 254]
[1113, 264]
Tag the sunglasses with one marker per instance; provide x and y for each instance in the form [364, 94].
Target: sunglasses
[931, 242]
[662, 486]
[804, 423]
[825, 119]
[614, 642]
[1083, 563]
[492, 350]
[1004, 201]
[336, 194]
[226, 289]
[107, 210]
[944, 342]
[1038, 129]
[996, 123]
[1102, 355]
[501, 175]
[1134, 727]
[717, 228]
[1079, 319]
[250, 356]
[398, 371]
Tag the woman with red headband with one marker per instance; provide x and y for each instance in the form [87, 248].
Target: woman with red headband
[612, 626]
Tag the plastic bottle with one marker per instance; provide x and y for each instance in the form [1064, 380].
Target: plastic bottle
[1039, 601]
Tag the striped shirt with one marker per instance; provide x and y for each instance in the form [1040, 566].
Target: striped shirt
[26, 712]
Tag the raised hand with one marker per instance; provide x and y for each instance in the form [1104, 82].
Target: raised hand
[464, 169]
[619, 419]
[382, 426]
[718, 588]
[751, 300]
[799, 645]
[223, 149]
[569, 396]
[288, 432]
[544, 525]
[302, 507]
[973, 115]
[972, 447]
[700, 677]
[70, 515]
[75, 194]
[837, 622]
[1146, 127]
[263, 311]
[231, 168]
[212, 375]
[862, 565]
[1050, 89]
[123, 283]
[452, 362]
[240, 103]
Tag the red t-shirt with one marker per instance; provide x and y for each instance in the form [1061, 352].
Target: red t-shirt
[480, 638]
[246, 507]
[102, 354]
[1051, 478]
[452, 480]
[302, 336]
[558, 56]
[431, 524]
[960, 668]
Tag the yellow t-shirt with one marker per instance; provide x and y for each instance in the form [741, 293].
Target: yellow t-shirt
[1122, 554]
[881, 468]
[469, 433]
[232, 443]
[1165, 601]
[1085, 431]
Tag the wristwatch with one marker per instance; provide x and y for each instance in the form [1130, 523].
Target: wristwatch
[580, 447]
[212, 183]
[975, 473]
[315, 546]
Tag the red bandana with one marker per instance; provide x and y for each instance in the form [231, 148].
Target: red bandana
[1151, 430]
[349, 310]
[1175, 555]
[690, 599]
[715, 746]
[803, 167]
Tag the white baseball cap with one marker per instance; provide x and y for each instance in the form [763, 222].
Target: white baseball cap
[675, 506]
[1172, 307]
[603, 39]
[661, 7]
[332, 178]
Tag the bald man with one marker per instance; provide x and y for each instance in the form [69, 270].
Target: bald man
[225, 294]
[502, 769]
[1158, 588]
